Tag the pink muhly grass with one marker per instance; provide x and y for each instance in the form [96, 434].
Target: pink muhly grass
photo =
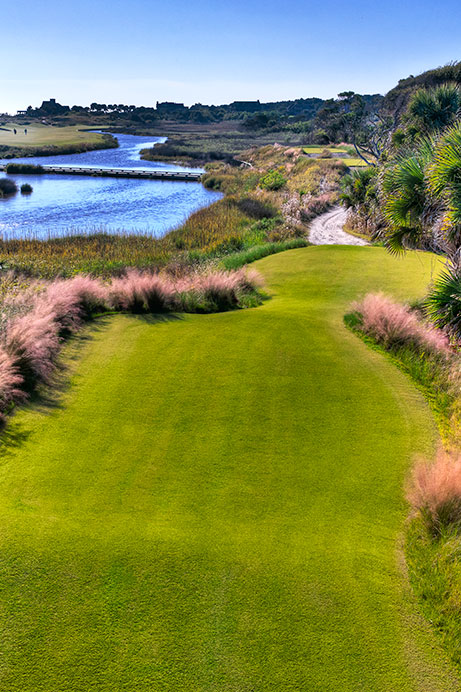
[141, 292]
[59, 301]
[435, 491]
[393, 324]
[33, 342]
[10, 382]
[223, 289]
[249, 279]
[90, 295]
[39, 316]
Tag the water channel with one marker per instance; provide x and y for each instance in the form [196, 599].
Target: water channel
[61, 204]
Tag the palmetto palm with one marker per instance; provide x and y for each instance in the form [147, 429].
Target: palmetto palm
[358, 187]
[430, 110]
[405, 198]
[445, 179]
[443, 303]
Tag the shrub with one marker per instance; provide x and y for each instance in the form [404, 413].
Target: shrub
[24, 168]
[7, 187]
[433, 109]
[221, 290]
[274, 180]
[217, 182]
[435, 492]
[76, 298]
[26, 189]
[393, 325]
[320, 137]
[359, 188]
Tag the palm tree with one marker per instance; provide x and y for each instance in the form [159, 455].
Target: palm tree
[358, 187]
[406, 202]
[430, 110]
[443, 303]
[445, 179]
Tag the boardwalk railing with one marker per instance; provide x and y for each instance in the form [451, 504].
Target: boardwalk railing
[121, 172]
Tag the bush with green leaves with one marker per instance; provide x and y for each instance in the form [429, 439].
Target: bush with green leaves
[359, 187]
[274, 180]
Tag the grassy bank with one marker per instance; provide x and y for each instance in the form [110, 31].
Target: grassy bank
[167, 526]
[48, 140]
[433, 541]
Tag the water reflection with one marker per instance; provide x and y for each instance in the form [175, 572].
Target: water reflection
[61, 203]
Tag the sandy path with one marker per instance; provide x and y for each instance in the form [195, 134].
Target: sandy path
[327, 229]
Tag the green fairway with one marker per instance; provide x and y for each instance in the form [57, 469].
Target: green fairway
[45, 135]
[216, 503]
[319, 149]
[354, 163]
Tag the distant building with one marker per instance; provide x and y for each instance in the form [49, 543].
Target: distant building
[21, 113]
[51, 107]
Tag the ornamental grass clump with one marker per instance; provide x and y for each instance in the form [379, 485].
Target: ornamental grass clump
[11, 382]
[137, 292]
[33, 342]
[394, 325]
[37, 316]
[221, 290]
[434, 491]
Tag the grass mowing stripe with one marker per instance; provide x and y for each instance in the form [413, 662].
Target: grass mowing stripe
[217, 502]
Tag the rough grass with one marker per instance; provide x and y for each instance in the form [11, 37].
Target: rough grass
[240, 259]
[216, 502]
[435, 574]
[433, 541]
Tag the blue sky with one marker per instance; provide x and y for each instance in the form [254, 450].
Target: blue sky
[141, 51]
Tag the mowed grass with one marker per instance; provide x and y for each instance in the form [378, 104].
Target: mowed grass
[44, 135]
[216, 502]
[351, 161]
[354, 163]
[319, 149]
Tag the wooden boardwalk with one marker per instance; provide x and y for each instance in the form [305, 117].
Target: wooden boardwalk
[118, 172]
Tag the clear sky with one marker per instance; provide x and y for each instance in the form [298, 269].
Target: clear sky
[210, 51]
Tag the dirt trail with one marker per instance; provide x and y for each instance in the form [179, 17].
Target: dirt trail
[327, 229]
